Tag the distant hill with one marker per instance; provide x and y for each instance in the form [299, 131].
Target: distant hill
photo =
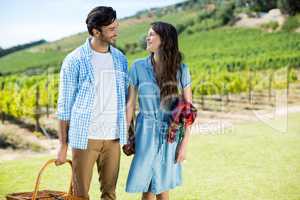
[6, 51]
[223, 59]
[206, 23]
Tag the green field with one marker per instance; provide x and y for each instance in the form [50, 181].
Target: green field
[221, 48]
[52, 54]
[222, 60]
[250, 162]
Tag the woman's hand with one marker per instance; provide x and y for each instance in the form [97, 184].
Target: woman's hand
[181, 151]
[129, 148]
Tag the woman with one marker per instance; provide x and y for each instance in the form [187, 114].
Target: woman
[156, 165]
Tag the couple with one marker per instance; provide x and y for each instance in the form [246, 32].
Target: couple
[96, 106]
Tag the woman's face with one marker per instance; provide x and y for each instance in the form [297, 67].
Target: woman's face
[153, 41]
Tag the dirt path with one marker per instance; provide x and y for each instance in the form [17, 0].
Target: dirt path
[273, 15]
[23, 134]
[208, 122]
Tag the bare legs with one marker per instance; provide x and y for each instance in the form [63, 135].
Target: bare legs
[151, 196]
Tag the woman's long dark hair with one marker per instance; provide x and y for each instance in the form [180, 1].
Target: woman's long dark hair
[170, 59]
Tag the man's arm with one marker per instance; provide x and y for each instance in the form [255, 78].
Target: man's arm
[126, 77]
[67, 93]
[63, 141]
[130, 106]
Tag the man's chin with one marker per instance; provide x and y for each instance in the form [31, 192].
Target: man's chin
[113, 41]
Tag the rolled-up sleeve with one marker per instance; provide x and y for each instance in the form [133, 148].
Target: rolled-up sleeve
[185, 78]
[132, 75]
[126, 76]
[68, 84]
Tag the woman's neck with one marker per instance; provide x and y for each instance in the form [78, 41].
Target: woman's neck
[99, 45]
[157, 63]
[156, 58]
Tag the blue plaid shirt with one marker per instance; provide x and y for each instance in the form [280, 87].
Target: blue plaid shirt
[77, 93]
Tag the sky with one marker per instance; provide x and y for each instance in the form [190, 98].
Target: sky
[24, 21]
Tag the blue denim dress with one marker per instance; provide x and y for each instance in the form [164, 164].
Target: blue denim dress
[153, 168]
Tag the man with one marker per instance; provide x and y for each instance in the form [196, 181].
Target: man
[91, 105]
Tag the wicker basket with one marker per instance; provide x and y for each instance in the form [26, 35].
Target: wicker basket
[44, 194]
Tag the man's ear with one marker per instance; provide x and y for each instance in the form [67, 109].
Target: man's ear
[96, 32]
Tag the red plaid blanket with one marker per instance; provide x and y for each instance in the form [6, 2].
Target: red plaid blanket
[183, 116]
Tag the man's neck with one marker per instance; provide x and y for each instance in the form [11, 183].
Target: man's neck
[99, 45]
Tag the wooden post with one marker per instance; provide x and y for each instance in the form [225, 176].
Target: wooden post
[47, 104]
[249, 87]
[288, 80]
[202, 97]
[226, 93]
[202, 102]
[2, 112]
[37, 109]
[270, 85]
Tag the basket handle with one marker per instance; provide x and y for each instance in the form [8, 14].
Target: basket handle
[37, 183]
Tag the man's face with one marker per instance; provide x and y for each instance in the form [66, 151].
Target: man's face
[109, 33]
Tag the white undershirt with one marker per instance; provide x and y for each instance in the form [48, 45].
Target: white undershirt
[104, 117]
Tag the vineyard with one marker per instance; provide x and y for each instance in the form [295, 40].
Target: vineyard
[28, 98]
[245, 84]
[229, 65]
[33, 97]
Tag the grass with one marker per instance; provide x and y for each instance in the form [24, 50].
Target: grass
[25, 59]
[292, 23]
[251, 162]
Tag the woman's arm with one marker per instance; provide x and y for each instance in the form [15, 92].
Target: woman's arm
[130, 106]
[187, 95]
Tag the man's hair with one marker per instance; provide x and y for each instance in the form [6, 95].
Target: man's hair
[100, 16]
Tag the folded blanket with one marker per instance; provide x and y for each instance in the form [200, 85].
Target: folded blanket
[183, 115]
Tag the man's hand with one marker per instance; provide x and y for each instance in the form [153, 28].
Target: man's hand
[61, 154]
[62, 136]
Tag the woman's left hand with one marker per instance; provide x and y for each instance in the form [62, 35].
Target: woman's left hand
[181, 152]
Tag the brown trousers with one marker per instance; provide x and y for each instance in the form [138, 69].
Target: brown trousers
[106, 153]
